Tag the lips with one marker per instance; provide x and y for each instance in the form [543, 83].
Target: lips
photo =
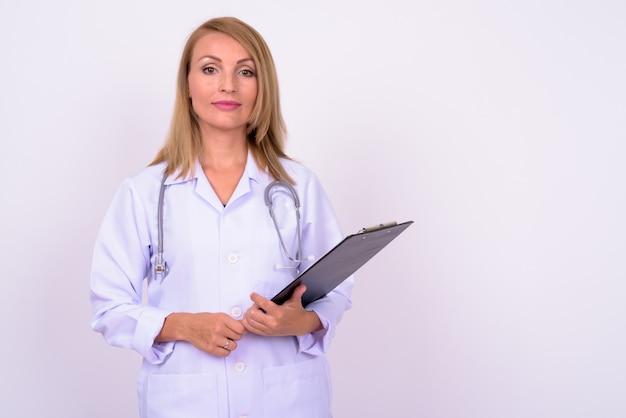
[226, 105]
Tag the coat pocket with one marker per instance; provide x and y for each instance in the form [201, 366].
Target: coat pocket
[300, 390]
[182, 395]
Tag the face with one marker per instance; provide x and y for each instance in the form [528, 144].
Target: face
[222, 84]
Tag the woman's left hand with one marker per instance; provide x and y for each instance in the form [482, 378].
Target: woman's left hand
[266, 318]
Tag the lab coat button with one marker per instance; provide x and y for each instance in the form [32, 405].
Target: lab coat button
[232, 258]
[240, 366]
[236, 311]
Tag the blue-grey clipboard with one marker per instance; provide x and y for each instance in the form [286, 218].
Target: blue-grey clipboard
[341, 262]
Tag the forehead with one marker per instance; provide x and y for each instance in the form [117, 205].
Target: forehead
[219, 45]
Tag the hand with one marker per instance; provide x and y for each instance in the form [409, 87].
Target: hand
[266, 318]
[213, 333]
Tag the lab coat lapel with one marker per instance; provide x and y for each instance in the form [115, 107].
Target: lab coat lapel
[251, 173]
[206, 192]
[203, 188]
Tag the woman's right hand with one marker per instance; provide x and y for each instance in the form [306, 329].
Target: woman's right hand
[214, 333]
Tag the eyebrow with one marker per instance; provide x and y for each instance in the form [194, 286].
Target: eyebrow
[220, 60]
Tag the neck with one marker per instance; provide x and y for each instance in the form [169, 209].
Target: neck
[223, 151]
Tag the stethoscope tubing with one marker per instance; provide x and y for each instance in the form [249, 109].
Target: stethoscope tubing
[296, 202]
[160, 265]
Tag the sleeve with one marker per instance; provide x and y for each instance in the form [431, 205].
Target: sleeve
[320, 233]
[121, 262]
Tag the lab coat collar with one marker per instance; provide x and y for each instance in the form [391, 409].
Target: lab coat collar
[204, 189]
[175, 179]
[252, 172]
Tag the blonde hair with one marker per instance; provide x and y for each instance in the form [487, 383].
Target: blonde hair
[266, 130]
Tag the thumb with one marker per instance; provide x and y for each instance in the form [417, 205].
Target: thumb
[298, 292]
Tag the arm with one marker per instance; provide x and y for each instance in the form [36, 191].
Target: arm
[121, 261]
[322, 232]
[314, 326]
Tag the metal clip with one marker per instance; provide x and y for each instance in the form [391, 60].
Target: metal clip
[379, 226]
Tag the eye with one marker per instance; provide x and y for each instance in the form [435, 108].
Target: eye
[209, 70]
[247, 73]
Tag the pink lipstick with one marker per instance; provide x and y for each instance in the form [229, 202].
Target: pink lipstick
[226, 105]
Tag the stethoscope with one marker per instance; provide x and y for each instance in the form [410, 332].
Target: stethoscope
[270, 207]
[160, 265]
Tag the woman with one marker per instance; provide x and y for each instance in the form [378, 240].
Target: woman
[213, 344]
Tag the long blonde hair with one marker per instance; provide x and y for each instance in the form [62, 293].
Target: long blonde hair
[265, 131]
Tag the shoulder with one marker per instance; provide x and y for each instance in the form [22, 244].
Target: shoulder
[146, 180]
[149, 175]
[142, 186]
[298, 171]
[307, 181]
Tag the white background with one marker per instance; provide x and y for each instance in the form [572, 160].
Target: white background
[499, 127]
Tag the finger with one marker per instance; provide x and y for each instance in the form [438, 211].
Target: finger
[262, 303]
[229, 345]
[234, 330]
[252, 324]
[256, 328]
[235, 335]
[214, 349]
[253, 318]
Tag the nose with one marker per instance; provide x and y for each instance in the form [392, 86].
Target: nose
[228, 83]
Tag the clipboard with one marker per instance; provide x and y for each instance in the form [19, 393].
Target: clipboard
[341, 262]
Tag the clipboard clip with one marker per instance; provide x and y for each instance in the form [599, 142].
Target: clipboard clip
[377, 227]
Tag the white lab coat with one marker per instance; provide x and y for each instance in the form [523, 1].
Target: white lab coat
[216, 256]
